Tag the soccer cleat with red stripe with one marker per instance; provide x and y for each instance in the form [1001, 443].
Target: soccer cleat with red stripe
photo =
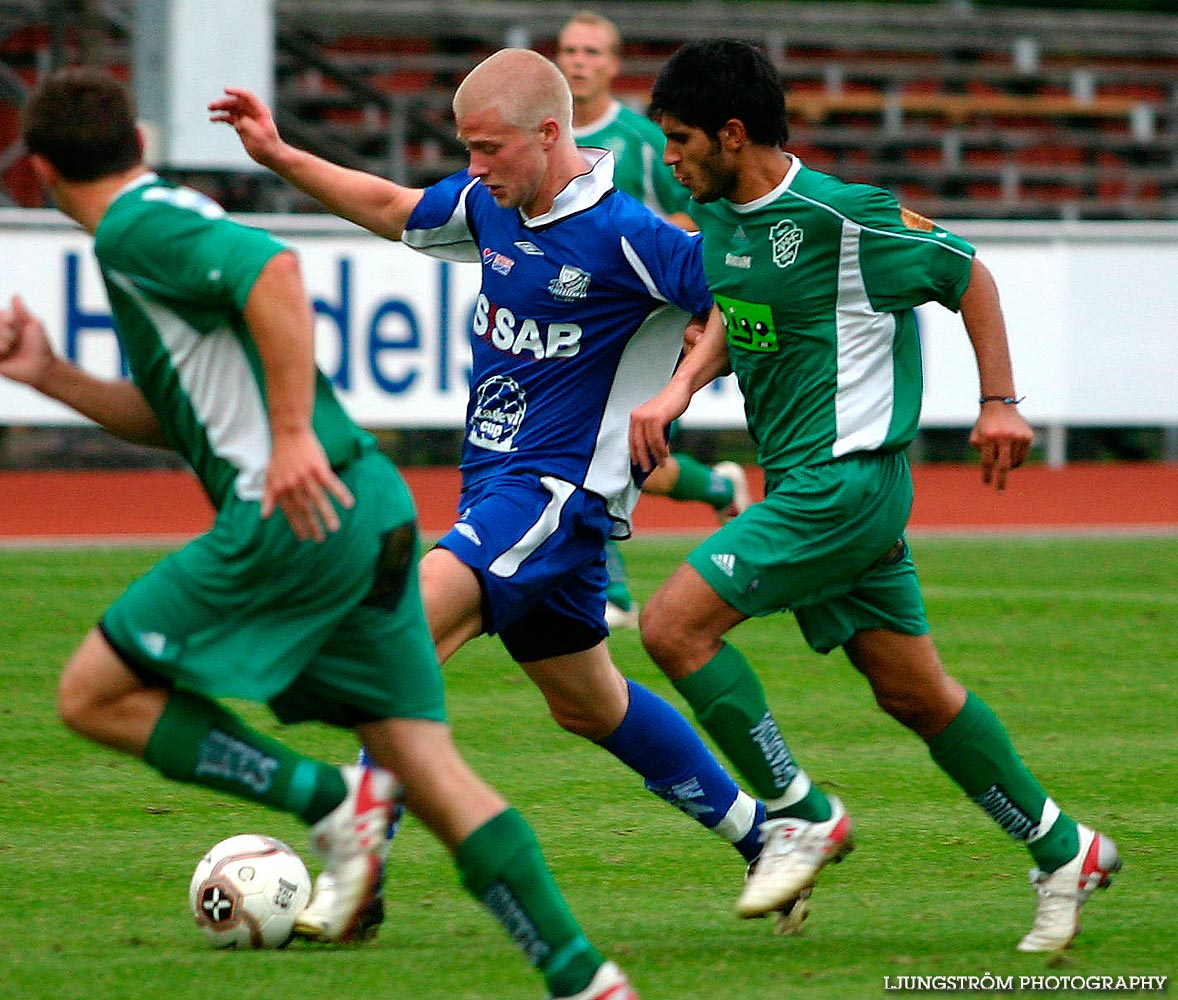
[794, 851]
[1063, 891]
[376, 913]
[609, 983]
[351, 842]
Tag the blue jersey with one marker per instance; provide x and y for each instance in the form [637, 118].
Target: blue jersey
[579, 319]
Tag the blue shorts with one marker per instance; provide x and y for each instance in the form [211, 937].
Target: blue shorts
[537, 545]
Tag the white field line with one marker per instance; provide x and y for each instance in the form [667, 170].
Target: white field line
[1048, 595]
[26, 542]
[953, 533]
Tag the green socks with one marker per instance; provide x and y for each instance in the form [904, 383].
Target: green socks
[200, 742]
[617, 591]
[698, 482]
[729, 702]
[976, 752]
[502, 867]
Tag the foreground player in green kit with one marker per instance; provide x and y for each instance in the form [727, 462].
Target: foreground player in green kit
[316, 613]
[815, 282]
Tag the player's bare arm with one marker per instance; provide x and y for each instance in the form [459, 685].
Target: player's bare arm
[1001, 435]
[299, 479]
[706, 359]
[378, 205]
[118, 406]
[693, 331]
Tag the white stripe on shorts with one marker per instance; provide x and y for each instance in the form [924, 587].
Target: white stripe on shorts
[506, 564]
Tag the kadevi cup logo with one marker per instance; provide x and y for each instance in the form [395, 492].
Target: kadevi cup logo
[499, 408]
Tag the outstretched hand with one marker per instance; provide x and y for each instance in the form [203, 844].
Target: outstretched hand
[1003, 439]
[300, 482]
[249, 117]
[25, 354]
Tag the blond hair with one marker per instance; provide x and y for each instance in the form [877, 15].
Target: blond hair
[522, 85]
[591, 19]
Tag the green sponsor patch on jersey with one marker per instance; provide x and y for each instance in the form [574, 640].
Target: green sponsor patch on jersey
[749, 325]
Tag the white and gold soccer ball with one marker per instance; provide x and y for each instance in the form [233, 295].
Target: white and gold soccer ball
[247, 891]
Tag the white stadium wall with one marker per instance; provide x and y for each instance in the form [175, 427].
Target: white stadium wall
[1092, 312]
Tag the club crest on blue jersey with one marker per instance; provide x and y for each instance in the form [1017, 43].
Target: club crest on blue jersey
[499, 407]
[570, 285]
[544, 337]
[500, 263]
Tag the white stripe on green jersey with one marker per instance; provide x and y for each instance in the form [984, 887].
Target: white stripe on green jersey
[178, 272]
[817, 282]
[225, 401]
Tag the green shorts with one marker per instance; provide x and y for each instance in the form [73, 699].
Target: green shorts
[827, 544]
[332, 631]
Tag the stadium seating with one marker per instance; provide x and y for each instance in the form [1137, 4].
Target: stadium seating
[964, 111]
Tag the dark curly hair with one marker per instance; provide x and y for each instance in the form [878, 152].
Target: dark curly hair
[705, 84]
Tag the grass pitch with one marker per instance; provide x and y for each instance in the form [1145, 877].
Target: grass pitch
[1073, 643]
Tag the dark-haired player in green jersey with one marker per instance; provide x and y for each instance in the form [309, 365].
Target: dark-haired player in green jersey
[815, 282]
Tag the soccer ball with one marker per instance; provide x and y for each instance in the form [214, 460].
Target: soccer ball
[247, 891]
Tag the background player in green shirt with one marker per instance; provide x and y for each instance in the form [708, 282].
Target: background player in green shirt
[316, 613]
[815, 282]
[589, 54]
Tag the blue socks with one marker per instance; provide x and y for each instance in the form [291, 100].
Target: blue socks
[658, 743]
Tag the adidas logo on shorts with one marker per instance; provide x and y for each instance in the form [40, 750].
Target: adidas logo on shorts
[725, 562]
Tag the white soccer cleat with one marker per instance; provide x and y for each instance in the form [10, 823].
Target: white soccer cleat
[788, 921]
[1063, 891]
[610, 983]
[735, 474]
[794, 852]
[351, 841]
[618, 617]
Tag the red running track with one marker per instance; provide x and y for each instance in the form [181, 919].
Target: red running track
[153, 504]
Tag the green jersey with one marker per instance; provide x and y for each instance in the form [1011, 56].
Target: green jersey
[817, 282]
[637, 144]
[178, 272]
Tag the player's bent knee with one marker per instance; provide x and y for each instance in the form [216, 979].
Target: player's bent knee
[77, 706]
[590, 726]
[662, 636]
[92, 686]
[659, 647]
[923, 713]
[899, 708]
